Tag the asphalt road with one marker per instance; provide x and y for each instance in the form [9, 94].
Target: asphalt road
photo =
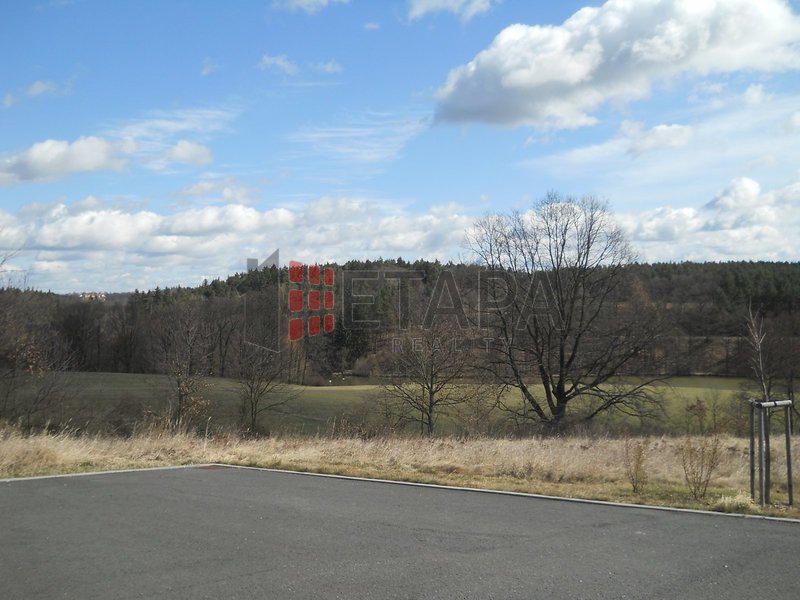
[218, 532]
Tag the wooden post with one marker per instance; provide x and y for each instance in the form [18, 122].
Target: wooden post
[789, 484]
[761, 456]
[767, 456]
[752, 452]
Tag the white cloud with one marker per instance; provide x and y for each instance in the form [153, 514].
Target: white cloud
[161, 132]
[189, 152]
[330, 67]
[204, 187]
[225, 189]
[466, 9]
[741, 222]
[741, 193]
[755, 94]
[107, 229]
[9, 100]
[13, 232]
[209, 66]
[280, 63]
[86, 204]
[41, 87]
[80, 248]
[659, 136]
[757, 140]
[52, 159]
[155, 132]
[794, 121]
[307, 6]
[372, 26]
[558, 76]
[377, 137]
[88, 246]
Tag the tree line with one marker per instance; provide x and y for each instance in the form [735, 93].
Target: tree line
[554, 305]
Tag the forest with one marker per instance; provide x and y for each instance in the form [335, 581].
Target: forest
[190, 334]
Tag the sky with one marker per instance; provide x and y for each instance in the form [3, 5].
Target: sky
[161, 143]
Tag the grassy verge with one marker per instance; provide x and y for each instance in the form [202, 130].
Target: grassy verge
[579, 467]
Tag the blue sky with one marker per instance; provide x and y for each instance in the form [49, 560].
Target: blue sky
[160, 143]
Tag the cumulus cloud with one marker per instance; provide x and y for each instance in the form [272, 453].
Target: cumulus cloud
[115, 249]
[741, 193]
[189, 152]
[466, 9]
[740, 222]
[558, 76]
[51, 159]
[307, 6]
[755, 94]
[659, 136]
[279, 63]
[95, 229]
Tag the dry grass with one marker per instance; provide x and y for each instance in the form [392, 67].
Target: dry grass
[581, 467]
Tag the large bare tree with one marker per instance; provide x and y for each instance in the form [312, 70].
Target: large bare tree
[564, 318]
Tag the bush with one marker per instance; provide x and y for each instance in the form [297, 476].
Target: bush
[635, 462]
[700, 457]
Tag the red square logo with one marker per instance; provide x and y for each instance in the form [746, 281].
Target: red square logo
[309, 301]
[313, 274]
[295, 272]
[295, 300]
[295, 329]
[313, 300]
[313, 326]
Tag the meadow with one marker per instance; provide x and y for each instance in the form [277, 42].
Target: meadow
[114, 402]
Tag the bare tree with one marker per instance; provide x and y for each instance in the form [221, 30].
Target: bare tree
[182, 341]
[756, 337]
[33, 361]
[224, 321]
[263, 386]
[565, 316]
[429, 370]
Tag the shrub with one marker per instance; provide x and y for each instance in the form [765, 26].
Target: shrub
[700, 457]
[635, 462]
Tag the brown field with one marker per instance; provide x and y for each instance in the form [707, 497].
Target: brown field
[580, 467]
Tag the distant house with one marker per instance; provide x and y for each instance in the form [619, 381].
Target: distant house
[98, 296]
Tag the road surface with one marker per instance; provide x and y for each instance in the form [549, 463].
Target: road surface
[223, 532]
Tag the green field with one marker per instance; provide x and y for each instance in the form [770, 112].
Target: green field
[119, 399]
[115, 401]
